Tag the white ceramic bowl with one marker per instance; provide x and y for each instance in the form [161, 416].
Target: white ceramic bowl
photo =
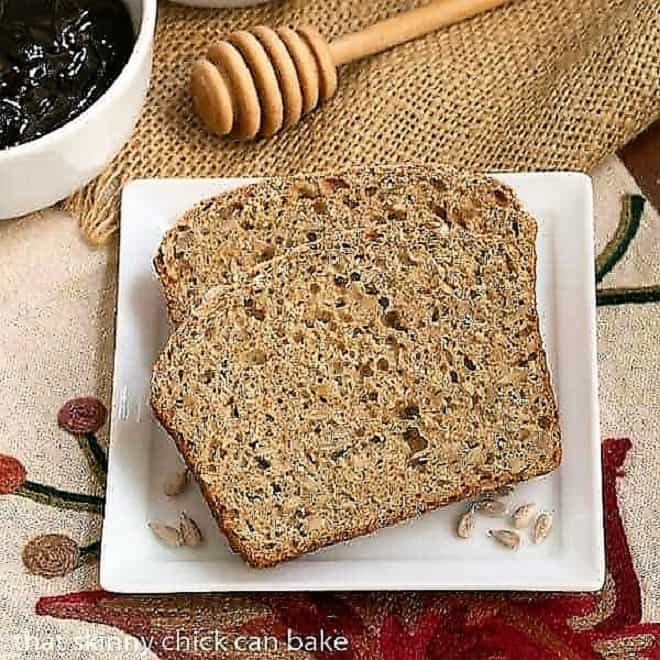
[37, 174]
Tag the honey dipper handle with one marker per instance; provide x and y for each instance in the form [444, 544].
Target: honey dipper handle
[406, 26]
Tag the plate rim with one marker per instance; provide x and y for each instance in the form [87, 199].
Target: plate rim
[114, 575]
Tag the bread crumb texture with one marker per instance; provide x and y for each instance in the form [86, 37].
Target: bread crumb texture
[221, 240]
[388, 365]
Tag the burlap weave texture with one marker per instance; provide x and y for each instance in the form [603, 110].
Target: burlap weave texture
[537, 84]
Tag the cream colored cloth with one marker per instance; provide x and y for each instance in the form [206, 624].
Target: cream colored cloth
[56, 342]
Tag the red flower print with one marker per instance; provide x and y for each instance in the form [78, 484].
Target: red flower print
[397, 644]
[407, 626]
[12, 474]
[83, 415]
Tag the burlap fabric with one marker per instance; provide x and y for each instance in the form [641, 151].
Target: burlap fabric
[538, 84]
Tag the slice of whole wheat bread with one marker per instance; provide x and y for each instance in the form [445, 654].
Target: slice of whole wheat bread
[355, 384]
[221, 240]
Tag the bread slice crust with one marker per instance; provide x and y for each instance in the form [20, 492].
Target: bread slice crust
[259, 560]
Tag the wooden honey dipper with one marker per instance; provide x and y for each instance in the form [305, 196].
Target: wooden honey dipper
[255, 83]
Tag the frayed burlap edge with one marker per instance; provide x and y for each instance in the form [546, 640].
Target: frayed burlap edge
[96, 206]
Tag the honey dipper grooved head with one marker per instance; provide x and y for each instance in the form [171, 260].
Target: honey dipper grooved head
[264, 78]
[285, 70]
[255, 83]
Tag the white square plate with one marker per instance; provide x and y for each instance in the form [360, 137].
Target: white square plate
[421, 554]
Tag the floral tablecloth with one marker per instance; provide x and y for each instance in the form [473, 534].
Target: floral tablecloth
[56, 339]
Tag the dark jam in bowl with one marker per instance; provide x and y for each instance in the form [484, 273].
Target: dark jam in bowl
[56, 58]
